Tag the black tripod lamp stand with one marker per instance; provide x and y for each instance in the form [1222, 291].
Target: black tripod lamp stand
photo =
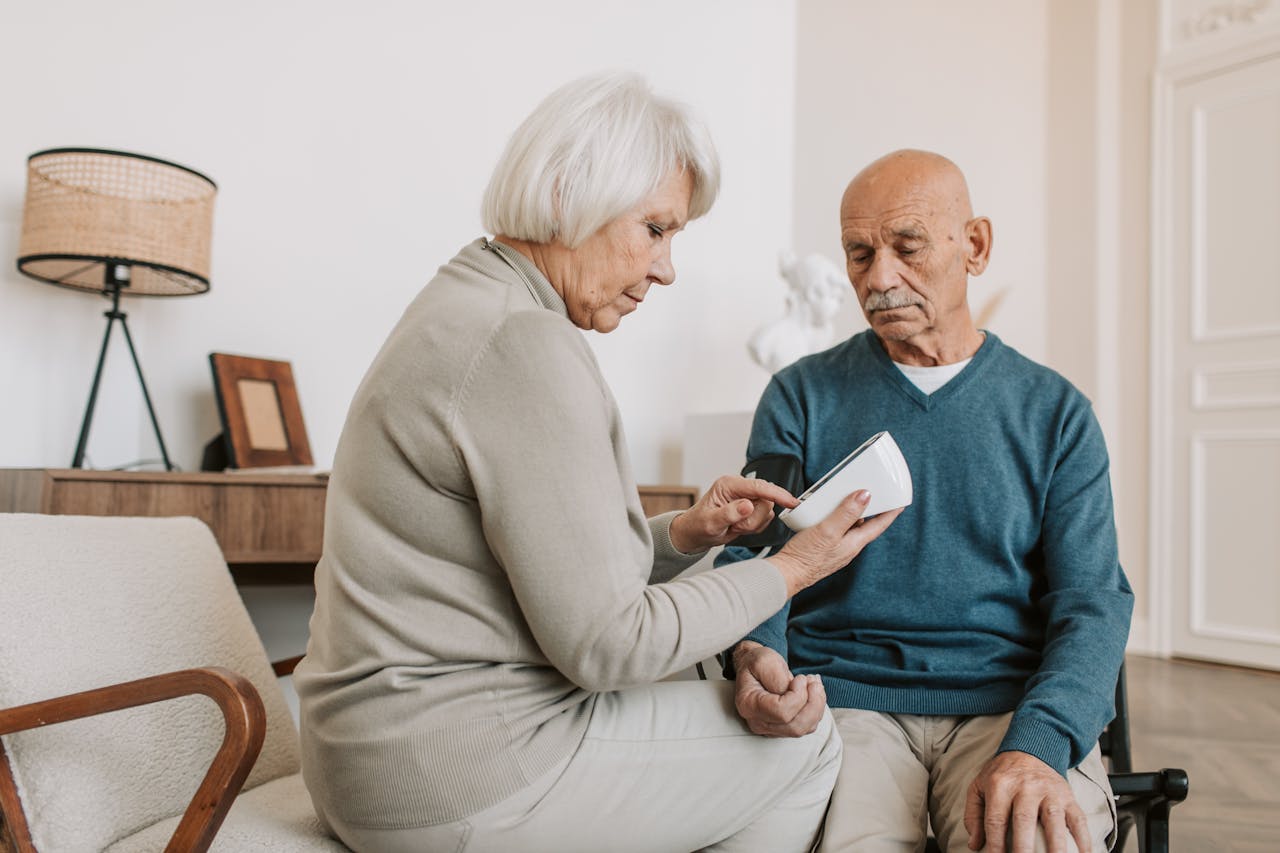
[117, 224]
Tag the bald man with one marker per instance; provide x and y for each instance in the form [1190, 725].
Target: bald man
[970, 654]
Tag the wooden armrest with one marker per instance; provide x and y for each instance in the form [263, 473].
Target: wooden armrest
[286, 666]
[246, 727]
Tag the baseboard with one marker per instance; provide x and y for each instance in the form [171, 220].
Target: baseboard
[1140, 639]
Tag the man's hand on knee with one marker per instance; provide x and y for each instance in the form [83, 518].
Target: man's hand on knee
[771, 700]
[1011, 794]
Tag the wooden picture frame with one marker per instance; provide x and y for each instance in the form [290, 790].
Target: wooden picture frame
[261, 417]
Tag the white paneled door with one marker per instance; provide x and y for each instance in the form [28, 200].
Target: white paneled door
[1217, 413]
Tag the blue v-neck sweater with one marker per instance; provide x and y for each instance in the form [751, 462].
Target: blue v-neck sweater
[999, 588]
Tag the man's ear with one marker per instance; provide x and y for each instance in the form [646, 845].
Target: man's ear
[977, 235]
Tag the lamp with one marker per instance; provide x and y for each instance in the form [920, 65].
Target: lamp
[118, 224]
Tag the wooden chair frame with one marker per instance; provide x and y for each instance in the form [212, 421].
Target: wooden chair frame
[245, 728]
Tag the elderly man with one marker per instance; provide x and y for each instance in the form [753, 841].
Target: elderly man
[970, 654]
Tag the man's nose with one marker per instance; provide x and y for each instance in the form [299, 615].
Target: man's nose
[882, 274]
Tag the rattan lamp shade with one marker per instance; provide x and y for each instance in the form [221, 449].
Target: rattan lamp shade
[90, 211]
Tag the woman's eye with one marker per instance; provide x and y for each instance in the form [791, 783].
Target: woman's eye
[655, 229]
[907, 252]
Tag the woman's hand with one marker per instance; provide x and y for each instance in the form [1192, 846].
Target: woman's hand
[732, 507]
[831, 544]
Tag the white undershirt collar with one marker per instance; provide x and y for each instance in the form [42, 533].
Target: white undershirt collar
[930, 379]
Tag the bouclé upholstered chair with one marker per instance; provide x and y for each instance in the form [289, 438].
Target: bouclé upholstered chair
[151, 763]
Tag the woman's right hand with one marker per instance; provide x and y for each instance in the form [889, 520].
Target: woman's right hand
[831, 544]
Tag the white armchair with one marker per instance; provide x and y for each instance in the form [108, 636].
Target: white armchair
[115, 634]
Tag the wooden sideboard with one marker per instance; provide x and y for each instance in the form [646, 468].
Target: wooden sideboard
[269, 525]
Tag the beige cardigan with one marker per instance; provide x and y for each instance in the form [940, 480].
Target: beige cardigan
[487, 567]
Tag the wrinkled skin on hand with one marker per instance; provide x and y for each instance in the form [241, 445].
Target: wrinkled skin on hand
[1011, 794]
[771, 700]
[732, 507]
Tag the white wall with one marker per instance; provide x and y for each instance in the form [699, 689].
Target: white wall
[967, 80]
[1102, 54]
[351, 144]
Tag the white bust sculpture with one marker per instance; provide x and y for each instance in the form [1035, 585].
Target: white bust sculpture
[816, 289]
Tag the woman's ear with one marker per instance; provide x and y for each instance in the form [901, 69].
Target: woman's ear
[977, 235]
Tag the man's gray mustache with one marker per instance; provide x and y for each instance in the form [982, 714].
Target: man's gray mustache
[888, 300]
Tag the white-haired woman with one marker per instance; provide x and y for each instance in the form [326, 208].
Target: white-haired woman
[492, 607]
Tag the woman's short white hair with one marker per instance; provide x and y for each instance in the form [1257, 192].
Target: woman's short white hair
[594, 149]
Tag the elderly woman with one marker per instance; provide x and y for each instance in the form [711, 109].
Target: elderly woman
[492, 607]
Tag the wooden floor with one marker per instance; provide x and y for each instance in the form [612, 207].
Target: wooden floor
[1221, 725]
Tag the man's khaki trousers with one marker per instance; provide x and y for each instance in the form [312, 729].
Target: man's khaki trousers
[902, 772]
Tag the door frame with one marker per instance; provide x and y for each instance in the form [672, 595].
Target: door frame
[1167, 79]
